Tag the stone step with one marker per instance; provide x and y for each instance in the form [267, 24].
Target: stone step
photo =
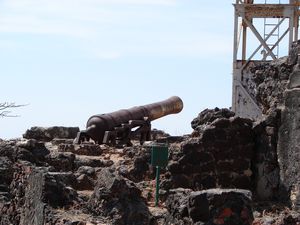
[82, 149]
[92, 161]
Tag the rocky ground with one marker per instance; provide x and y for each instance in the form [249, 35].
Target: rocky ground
[225, 172]
[212, 177]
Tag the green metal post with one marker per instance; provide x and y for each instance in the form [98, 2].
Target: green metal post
[157, 185]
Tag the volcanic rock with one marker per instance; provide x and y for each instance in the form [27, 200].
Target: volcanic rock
[209, 115]
[83, 149]
[6, 171]
[49, 133]
[265, 162]
[267, 83]
[91, 162]
[119, 199]
[63, 162]
[210, 207]
[140, 168]
[37, 148]
[220, 156]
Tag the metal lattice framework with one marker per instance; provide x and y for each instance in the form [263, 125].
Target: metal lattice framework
[274, 13]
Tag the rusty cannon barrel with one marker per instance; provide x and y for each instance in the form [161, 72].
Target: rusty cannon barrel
[116, 126]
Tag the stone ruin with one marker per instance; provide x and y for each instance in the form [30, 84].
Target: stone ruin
[229, 170]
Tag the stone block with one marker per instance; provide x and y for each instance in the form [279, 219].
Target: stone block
[43, 190]
[118, 198]
[221, 206]
[63, 162]
[49, 133]
[209, 207]
[83, 149]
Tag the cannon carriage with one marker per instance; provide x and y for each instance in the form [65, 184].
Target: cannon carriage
[121, 126]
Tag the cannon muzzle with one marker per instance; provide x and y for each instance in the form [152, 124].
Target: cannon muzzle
[116, 126]
[160, 109]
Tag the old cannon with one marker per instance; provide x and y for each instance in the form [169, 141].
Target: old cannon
[120, 126]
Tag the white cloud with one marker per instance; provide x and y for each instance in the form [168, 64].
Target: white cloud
[74, 3]
[105, 32]
[202, 45]
[33, 25]
[78, 18]
[106, 55]
[198, 45]
[8, 44]
[69, 7]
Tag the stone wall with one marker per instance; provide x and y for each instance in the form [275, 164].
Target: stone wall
[228, 152]
[289, 139]
[49, 133]
[265, 162]
[219, 154]
[275, 87]
[209, 207]
[57, 182]
[267, 83]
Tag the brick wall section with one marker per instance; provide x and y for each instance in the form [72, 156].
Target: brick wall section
[219, 157]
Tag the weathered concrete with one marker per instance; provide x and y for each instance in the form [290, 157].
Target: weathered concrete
[288, 144]
[265, 162]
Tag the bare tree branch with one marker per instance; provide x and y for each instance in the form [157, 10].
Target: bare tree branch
[8, 105]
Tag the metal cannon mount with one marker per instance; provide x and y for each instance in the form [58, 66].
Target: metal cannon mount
[120, 127]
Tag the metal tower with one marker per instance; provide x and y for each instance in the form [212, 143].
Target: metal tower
[271, 23]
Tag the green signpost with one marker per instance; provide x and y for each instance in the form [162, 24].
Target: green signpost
[159, 158]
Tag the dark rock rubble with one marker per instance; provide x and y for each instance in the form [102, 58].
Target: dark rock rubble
[229, 170]
[212, 177]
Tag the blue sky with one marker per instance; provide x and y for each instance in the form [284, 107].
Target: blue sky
[70, 59]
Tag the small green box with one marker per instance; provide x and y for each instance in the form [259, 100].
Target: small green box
[159, 155]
